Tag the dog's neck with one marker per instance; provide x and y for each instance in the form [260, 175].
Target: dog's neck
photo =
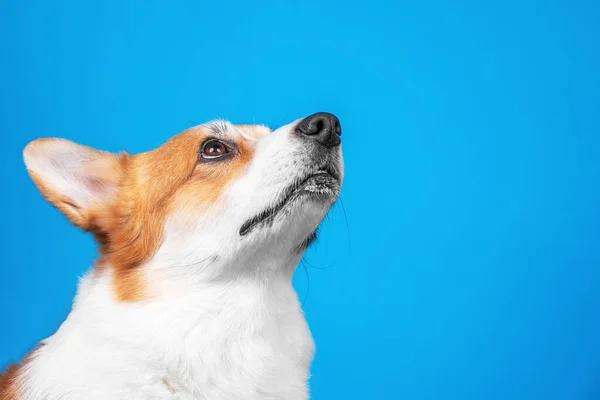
[168, 275]
[237, 336]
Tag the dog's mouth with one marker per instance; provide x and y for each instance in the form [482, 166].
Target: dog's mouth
[323, 183]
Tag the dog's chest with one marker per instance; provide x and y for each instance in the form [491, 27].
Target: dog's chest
[248, 354]
[229, 345]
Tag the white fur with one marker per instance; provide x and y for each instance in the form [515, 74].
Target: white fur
[222, 320]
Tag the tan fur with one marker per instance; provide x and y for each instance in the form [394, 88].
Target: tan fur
[10, 386]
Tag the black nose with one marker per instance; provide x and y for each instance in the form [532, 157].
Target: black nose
[323, 127]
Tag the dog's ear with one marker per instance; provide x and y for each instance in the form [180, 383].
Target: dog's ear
[77, 180]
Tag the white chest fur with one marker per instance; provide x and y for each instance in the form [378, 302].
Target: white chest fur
[242, 340]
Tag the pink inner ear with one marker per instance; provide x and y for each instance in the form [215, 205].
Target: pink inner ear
[97, 187]
[94, 184]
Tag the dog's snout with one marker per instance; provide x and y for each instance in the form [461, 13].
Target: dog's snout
[322, 127]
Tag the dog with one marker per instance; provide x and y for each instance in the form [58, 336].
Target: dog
[191, 297]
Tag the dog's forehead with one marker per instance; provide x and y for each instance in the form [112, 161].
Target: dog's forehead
[236, 131]
[219, 129]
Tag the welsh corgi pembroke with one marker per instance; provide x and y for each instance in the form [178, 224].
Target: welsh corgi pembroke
[191, 297]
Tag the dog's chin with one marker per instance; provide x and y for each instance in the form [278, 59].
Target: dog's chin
[321, 189]
[302, 207]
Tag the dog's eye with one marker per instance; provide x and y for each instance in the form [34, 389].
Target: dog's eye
[213, 148]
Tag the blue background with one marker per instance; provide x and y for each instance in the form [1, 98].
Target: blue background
[469, 266]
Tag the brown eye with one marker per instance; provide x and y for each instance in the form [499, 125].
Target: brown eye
[213, 148]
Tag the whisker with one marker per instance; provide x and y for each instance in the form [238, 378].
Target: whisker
[200, 262]
[347, 225]
[210, 263]
[312, 266]
[307, 282]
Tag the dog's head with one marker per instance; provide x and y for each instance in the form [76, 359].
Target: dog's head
[216, 201]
